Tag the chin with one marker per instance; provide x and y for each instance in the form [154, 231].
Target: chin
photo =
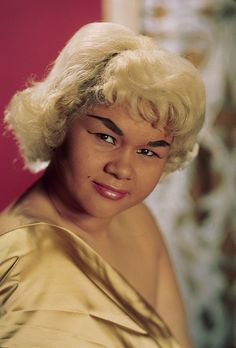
[104, 208]
[106, 211]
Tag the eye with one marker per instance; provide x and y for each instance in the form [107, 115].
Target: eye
[105, 137]
[148, 153]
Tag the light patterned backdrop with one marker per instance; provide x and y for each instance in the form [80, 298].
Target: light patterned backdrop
[197, 207]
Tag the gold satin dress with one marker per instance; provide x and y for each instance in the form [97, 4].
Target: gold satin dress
[57, 292]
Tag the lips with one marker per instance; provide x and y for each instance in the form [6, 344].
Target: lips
[109, 191]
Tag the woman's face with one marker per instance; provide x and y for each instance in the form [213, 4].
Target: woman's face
[109, 162]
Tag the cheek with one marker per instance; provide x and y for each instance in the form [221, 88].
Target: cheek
[150, 176]
[148, 181]
[86, 164]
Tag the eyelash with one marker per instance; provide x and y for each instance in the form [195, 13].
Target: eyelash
[104, 137]
[145, 152]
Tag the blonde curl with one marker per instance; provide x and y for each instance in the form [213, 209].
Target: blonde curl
[107, 64]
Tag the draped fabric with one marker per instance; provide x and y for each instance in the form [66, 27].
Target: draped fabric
[56, 291]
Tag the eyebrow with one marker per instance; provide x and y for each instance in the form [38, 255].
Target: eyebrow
[112, 126]
[108, 123]
[158, 143]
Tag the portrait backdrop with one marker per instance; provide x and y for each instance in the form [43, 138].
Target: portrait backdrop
[32, 33]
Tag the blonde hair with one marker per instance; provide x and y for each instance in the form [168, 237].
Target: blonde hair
[106, 63]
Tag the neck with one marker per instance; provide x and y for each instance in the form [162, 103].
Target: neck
[67, 214]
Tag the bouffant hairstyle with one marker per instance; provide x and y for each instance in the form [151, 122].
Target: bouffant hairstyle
[108, 64]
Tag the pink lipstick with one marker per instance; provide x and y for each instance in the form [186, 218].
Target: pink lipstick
[109, 192]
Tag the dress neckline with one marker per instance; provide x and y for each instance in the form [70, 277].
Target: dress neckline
[111, 282]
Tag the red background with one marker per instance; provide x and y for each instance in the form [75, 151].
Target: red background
[31, 35]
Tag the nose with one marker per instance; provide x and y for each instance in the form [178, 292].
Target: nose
[120, 165]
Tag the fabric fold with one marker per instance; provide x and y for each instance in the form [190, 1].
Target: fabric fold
[61, 285]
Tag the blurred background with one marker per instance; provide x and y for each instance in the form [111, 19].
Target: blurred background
[196, 207]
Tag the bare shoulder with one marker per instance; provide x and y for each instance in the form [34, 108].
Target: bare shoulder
[15, 215]
[140, 214]
[30, 207]
[144, 226]
[167, 290]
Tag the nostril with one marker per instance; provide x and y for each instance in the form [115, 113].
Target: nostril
[119, 170]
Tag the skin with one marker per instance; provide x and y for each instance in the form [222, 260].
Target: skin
[104, 151]
[106, 147]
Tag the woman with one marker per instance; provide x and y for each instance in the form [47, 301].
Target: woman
[83, 262]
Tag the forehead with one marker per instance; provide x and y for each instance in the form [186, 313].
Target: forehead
[122, 117]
